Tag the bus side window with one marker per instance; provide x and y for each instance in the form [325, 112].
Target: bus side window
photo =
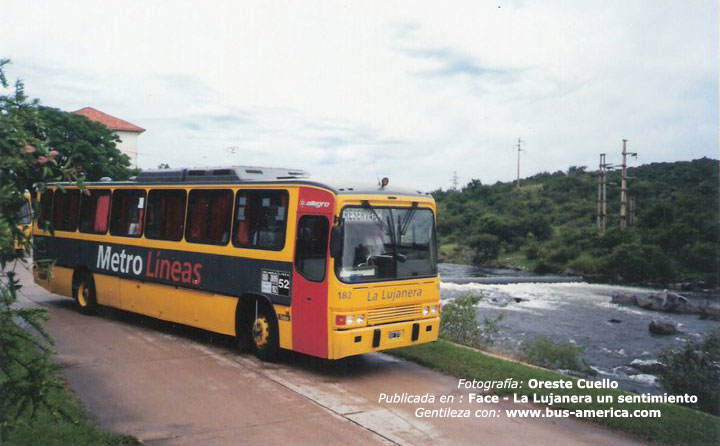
[46, 204]
[66, 208]
[127, 212]
[165, 214]
[26, 213]
[208, 216]
[260, 219]
[311, 247]
[94, 211]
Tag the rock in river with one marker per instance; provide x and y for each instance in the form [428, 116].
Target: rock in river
[662, 328]
[624, 299]
[647, 365]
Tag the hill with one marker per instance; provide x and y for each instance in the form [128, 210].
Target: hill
[549, 225]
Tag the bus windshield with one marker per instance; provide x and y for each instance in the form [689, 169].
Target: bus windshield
[386, 243]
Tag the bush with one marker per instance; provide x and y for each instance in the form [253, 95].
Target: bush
[587, 264]
[638, 262]
[695, 370]
[532, 252]
[489, 329]
[486, 247]
[561, 356]
[27, 161]
[458, 321]
[543, 267]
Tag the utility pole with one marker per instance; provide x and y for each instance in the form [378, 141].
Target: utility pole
[631, 213]
[520, 141]
[454, 180]
[602, 194]
[623, 185]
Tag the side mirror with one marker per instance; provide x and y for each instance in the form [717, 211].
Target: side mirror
[337, 236]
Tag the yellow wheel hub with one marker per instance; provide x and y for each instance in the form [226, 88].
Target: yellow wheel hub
[261, 331]
[83, 295]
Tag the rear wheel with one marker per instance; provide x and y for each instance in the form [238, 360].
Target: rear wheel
[85, 295]
[264, 333]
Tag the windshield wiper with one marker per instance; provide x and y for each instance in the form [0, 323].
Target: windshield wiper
[378, 220]
[382, 225]
[408, 217]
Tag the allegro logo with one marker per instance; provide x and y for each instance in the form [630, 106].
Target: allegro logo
[315, 204]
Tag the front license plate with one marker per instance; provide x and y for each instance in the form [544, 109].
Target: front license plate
[394, 334]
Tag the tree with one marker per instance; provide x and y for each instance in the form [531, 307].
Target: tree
[486, 247]
[88, 145]
[26, 160]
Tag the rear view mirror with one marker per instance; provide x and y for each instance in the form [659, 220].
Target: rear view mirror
[337, 234]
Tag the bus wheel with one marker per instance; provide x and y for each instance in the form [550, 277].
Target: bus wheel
[264, 334]
[85, 295]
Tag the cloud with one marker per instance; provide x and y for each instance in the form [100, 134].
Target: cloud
[414, 91]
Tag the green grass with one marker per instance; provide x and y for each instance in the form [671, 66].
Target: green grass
[452, 253]
[517, 259]
[677, 426]
[48, 430]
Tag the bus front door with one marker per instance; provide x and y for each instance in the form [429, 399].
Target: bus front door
[310, 282]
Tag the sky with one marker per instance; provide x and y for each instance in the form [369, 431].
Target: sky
[414, 91]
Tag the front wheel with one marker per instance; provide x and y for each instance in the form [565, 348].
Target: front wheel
[264, 333]
[85, 295]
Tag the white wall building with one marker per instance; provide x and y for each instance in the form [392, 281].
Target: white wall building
[127, 132]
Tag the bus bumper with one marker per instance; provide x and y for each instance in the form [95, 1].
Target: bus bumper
[357, 341]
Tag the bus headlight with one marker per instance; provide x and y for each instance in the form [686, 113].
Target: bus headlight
[425, 311]
[433, 310]
[346, 320]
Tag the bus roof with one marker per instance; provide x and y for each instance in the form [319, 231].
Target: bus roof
[250, 175]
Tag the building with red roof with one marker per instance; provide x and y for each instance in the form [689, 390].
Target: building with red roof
[126, 131]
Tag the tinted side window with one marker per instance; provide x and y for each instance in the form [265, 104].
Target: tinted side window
[66, 207]
[208, 216]
[165, 214]
[94, 211]
[46, 204]
[260, 219]
[127, 212]
[311, 247]
[26, 213]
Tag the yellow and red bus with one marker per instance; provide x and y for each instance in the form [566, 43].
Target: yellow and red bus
[262, 254]
[25, 226]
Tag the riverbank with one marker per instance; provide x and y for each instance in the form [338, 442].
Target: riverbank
[615, 339]
[457, 270]
[677, 426]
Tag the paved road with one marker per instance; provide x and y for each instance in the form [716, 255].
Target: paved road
[172, 385]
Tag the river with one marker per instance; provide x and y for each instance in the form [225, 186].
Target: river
[570, 310]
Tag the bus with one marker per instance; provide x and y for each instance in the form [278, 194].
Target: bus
[262, 254]
[25, 226]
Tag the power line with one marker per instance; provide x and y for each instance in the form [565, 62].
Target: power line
[520, 141]
[602, 194]
[623, 186]
[454, 180]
